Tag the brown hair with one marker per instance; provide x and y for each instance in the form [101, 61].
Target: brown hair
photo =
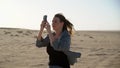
[67, 24]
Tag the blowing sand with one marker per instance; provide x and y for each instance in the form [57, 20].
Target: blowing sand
[99, 49]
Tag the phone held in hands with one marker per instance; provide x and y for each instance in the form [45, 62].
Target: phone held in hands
[45, 18]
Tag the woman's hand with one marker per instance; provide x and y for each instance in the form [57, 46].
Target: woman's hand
[47, 26]
[42, 25]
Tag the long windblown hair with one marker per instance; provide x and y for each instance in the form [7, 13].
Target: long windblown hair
[67, 24]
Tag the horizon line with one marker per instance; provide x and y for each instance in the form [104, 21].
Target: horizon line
[52, 30]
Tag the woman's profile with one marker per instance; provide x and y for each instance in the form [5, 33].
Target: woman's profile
[58, 42]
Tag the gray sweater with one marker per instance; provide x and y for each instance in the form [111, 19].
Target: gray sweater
[61, 44]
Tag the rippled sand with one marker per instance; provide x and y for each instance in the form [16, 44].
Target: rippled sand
[100, 49]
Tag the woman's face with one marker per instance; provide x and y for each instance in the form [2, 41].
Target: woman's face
[57, 24]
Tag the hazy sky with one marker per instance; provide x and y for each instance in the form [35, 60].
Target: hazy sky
[84, 14]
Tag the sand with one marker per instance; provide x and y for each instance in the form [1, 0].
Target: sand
[100, 49]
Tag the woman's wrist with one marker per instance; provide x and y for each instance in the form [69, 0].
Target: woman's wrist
[41, 29]
[50, 36]
[40, 34]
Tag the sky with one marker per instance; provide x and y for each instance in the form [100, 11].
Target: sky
[84, 14]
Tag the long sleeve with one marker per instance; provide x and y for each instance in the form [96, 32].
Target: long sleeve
[42, 43]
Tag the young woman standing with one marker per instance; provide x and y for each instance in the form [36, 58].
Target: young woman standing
[58, 42]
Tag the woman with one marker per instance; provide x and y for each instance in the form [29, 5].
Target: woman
[57, 43]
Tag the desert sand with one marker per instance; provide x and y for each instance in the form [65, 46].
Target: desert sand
[99, 49]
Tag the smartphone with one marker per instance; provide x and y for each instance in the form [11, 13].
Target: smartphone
[45, 18]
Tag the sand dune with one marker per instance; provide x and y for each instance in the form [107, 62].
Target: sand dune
[100, 49]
